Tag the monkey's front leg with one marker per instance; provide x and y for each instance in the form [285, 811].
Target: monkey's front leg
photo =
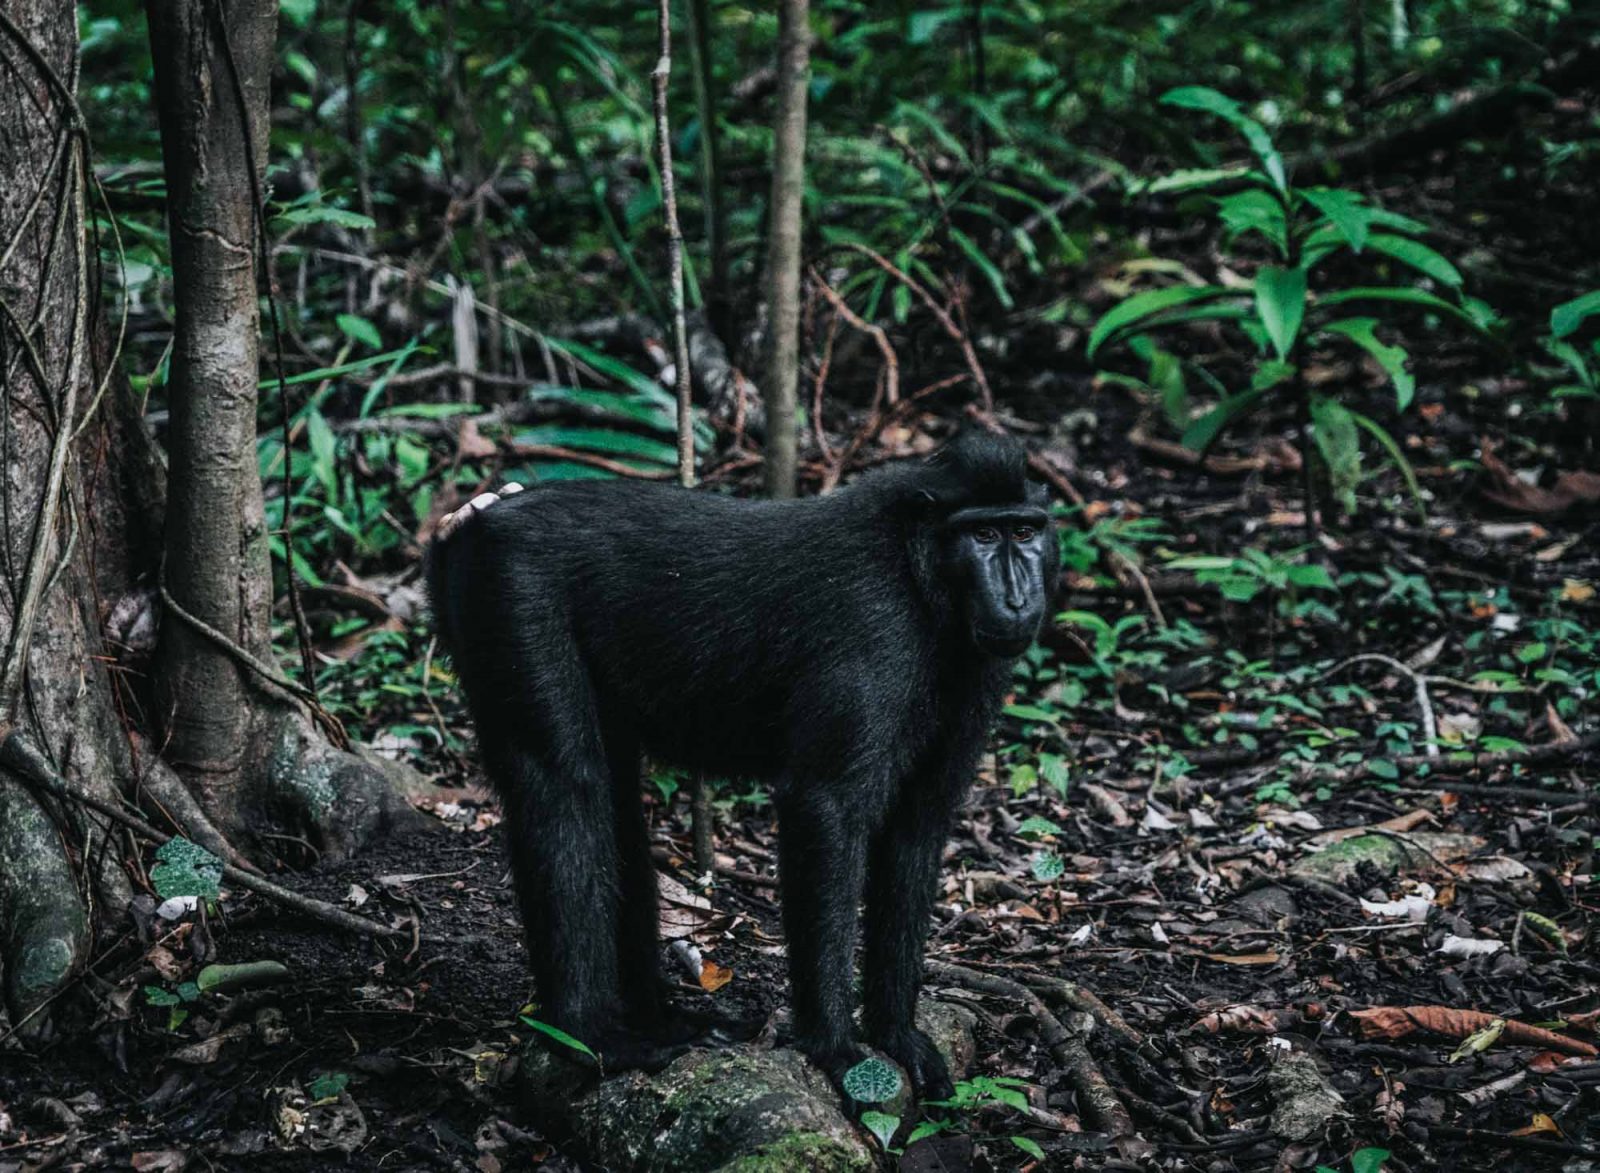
[822, 852]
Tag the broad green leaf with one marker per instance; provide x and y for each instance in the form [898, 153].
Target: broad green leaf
[1346, 211]
[1047, 866]
[991, 273]
[324, 452]
[1281, 305]
[1271, 374]
[1569, 315]
[1311, 577]
[1200, 435]
[327, 1086]
[1391, 358]
[1053, 769]
[1418, 255]
[227, 978]
[872, 1081]
[358, 329]
[1414, 297]
[881, 1125]
[186, 869]
[559, 1035]
[1032, 713]
[1336, 437]
[1029, 1146]
[1038, 825]
[1254, 210]
[1143, 305]
[1368, 1160]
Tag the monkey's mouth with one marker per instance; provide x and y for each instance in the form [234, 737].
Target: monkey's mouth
[1004, 645]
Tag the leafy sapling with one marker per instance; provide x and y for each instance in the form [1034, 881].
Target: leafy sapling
[1288, 311]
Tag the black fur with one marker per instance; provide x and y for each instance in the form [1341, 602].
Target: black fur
[830, 646]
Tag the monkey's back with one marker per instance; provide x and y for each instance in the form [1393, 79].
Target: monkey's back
[700, 624]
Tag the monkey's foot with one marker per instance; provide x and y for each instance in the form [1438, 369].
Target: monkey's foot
[705, 1025]
[924, 1065]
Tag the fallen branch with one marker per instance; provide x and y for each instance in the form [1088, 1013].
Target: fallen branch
[1449, 766]
[19, 754]
[1419, 684]
[1100, 1100]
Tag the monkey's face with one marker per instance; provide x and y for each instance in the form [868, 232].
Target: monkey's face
[1001, 561]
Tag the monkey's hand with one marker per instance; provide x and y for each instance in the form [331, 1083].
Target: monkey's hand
[915, 1051]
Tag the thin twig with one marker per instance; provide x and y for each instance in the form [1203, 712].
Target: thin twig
[1419, 683]
[659, 77]
[939, 312]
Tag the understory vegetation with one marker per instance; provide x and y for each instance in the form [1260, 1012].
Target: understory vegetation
[1291, 822]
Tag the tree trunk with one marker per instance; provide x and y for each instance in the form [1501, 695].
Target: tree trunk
[82, 509]
[783, 249]
[56, 689]
[251, 754]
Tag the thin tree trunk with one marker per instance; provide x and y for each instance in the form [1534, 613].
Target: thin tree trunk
[250, 753]
[783, 250]
[216, 540]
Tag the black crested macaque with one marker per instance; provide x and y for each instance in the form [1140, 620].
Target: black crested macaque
[851, 649]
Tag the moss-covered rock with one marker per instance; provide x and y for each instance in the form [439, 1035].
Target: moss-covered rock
[739, 1109]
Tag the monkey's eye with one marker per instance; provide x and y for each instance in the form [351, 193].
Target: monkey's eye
[1023, 533]
[986, 534]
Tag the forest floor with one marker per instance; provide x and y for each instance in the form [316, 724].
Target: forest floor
[1215, 805]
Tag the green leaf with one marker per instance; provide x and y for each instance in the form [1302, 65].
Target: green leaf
[1345, 210]
[881, 1125]
[1142, 305]
[1391, 358]
[186, 869]
[872, 1081]
[1311, 577]
[926, 1129]
[601, 440]
[1368, 1160]
[358, 329]
[156, 996]
[991, 273]
[1383, 768]
[1191, 179]
[1032, 713]
[1038, 825]
[1200, 435]
[328, 1086]
[1414, 297]
[559, 1036]
[1206, 99]
[1254, 210]
[1419, 256]
[324, 452]
[1028, 1146]
[1271, 374]
[1387, 442]
[1336, 438]
[1569, 315]
[1166, 378]
[1281, 305]
[1047, 866]
[1053, 769]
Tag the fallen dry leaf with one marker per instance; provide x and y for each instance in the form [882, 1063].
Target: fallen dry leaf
[1396, 1022]
[1541, 1123]
[1507, 489]
[1243, 1019]
[713, 977]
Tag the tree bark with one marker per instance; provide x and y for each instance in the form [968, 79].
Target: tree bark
[250, 754]
[216, 540]
[57, 691]
[783, 249]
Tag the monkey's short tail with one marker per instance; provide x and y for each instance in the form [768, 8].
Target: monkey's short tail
[437, 561]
